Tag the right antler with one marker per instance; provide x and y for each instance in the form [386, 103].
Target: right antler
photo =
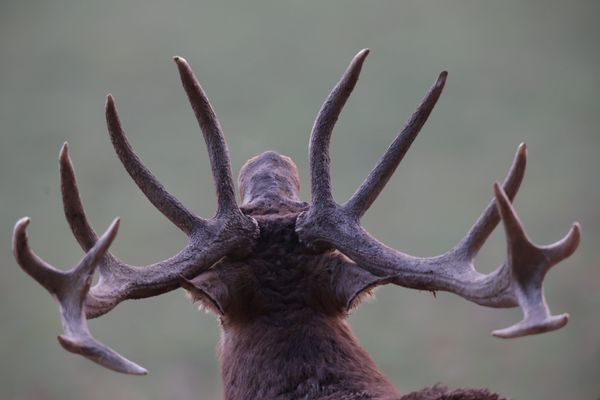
[228, 232]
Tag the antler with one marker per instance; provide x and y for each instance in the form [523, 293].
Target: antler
[228, 232]
[69, 289]
[518, 281]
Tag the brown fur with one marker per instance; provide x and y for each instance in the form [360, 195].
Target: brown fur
[442, 393]
[284, 334]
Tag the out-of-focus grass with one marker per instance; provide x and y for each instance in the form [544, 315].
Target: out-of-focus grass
[519, 71]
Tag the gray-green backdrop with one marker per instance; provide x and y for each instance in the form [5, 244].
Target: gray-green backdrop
[518, 71]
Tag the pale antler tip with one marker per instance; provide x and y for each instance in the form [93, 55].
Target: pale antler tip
[359, 59]
[22, 224]
[110, 101]
[111, 232]
[364, 52]
[20, 234]
[64, 152]
[522, 150]
[180, 60]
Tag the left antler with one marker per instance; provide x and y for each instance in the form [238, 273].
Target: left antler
[228, 232]
[518, 281]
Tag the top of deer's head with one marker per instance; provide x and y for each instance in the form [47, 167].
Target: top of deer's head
[350, 262]
[270, 183]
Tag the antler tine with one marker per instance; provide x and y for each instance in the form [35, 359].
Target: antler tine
[490, 217]
[70, 290]
[74, 212]
[38, 269]
[213, 136]
[143, 177]
[110, 270]
[323, 127]
[529, 264]
[368, 191]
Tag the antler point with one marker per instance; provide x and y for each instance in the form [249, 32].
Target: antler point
[522, 149]
[24, 221]
[20, 228]
[63, 155]
[110, 101]
[116, 223]
[180, 60]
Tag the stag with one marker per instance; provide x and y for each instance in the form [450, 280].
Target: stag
[282, 274]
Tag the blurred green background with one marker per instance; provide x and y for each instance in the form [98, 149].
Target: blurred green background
[518, 71]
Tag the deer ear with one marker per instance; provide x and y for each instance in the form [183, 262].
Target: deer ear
[209, 290]
[353, 284]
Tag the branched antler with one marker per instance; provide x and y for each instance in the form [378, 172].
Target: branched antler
[228, 232]
[70, 289]
[517, 282]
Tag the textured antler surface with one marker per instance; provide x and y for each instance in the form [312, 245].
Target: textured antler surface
[517, 282]
[209, 240]
[69, 289]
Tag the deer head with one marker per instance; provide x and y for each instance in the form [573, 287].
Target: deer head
[281, 274]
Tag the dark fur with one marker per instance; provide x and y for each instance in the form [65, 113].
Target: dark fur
[283, 308]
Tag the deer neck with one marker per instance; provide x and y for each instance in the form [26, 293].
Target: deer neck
[305, 357]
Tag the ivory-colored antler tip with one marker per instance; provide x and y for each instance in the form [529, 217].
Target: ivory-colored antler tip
[522, 149]
[22, 223]
[137, 370]
[63, 155]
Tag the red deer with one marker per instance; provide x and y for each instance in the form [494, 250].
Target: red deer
[282, 274]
